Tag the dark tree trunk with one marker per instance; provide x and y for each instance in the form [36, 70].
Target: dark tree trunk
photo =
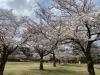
[2, 64]
[59, 61]
[90, 65]
[5, 52]
[54, 60]
[87, 52]
[41, 63]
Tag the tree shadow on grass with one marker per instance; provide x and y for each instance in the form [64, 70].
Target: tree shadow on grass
[74, 65]
[53, 72]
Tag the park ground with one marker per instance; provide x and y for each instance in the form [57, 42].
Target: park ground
[32, 68]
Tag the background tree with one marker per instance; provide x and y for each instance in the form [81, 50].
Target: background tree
[78, 52]
[20, 56]
[26, 51]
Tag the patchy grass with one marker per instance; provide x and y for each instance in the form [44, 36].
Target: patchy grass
[31, 68]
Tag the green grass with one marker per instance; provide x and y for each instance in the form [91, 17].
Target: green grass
[31, 68]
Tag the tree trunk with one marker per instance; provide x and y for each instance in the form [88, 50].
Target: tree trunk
[90, 65]
[54, 60]
[59, 61]
[41, 63]
[2, 64]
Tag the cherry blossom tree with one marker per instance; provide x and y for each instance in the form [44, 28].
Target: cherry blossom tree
[36, 56]
[42, 51]
[11, 35]
[53, 28]
[40, 45]
[83, 21]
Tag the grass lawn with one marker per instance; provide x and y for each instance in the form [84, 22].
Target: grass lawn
[31, 68]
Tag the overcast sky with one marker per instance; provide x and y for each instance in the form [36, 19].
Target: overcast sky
[24, 7]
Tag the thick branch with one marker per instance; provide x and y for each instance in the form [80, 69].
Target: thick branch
[88, 31]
